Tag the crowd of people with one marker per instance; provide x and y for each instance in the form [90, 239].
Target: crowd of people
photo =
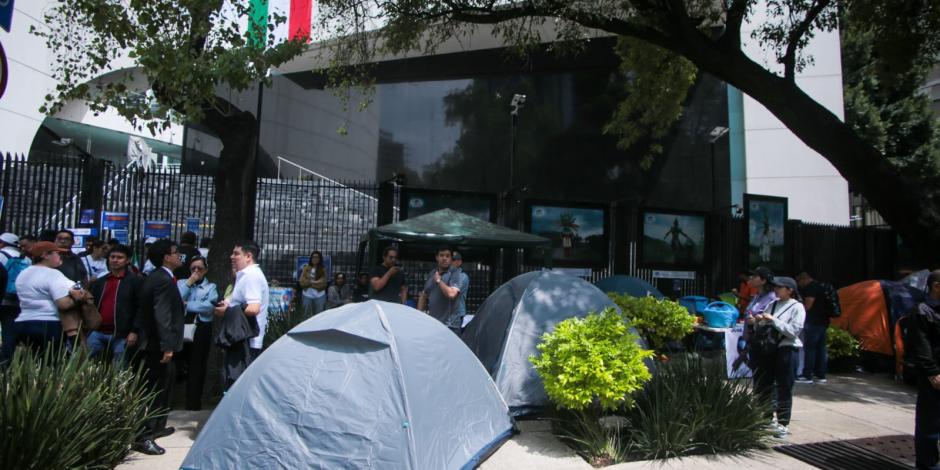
[152, 316]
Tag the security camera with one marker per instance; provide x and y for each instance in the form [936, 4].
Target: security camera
[517, 102]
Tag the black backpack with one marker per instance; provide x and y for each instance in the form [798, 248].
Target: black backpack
[830, 300]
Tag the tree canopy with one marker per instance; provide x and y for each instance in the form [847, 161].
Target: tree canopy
[185, 49]
[677, 37]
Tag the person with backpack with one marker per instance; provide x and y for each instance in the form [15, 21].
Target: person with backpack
[13, 263]
[923, 348]
[821, 301]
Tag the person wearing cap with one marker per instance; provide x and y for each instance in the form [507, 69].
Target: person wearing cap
[759, 280]
[923, 349]
[9, 305]
[43, 292]
[776, 358]
[9, 247]
[71, 264]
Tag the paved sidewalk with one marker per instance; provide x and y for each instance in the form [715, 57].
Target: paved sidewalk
[848, 407]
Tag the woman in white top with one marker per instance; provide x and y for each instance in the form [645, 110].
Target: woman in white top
[96, 261]
[43, 292]
[775, 349]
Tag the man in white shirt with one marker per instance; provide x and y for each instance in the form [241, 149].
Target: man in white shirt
[250, 291]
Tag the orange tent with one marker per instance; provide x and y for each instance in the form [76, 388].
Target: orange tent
[865, 316]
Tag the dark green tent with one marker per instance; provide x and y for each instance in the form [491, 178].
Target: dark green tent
[449, 227]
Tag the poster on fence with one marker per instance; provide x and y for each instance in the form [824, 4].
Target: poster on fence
[279, 300]
[734, 348]
[80, 237]
[193, 225]
[120, 235]
[86, 217]
[157, 229]
[300, 261]
[115, 221]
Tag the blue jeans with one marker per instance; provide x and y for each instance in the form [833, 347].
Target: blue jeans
[99, 343]
[816, 358]
[313, 306]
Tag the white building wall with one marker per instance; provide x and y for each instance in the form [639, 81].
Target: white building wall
[30, 80]
[780, 164]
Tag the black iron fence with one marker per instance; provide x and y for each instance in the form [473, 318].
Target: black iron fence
[39, 195]
[294, 217]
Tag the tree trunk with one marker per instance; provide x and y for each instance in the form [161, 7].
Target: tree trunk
[235, 189]
[908, 200]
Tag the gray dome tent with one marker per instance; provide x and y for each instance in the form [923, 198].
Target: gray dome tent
[508, 326]
[368, 385]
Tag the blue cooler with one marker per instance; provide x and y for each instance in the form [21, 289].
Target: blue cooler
[720, 315]
[694, 303]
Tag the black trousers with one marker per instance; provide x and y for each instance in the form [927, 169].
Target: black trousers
[777, 371]
[926, 425]
[157, 379]
[197, 362]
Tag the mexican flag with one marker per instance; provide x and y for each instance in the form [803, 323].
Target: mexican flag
[299, 15]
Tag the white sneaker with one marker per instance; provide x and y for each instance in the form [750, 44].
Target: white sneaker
[803, 380]
[820, 381]
[781, 431]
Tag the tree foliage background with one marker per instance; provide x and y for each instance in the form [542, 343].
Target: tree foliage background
[665, 42]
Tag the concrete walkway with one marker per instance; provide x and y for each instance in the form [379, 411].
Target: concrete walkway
[847, 407]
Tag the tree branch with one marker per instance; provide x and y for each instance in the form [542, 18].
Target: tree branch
[734, 18]
[795, 38]
[589, 20]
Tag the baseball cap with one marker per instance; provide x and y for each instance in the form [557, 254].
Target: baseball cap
[150, 240]
[10, 238]
[783, 281]
[762, 271]
[41, 248]
[457, 256]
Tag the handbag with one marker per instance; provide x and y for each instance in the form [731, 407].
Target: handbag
[189, 331]
[766, 339]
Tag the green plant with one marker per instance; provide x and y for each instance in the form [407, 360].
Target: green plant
[690, 407]
[598, 444]
[841, 344]
[591, 358]
[280, 322]
[657, 320]
[59, 411]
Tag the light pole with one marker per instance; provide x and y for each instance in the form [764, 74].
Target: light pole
[518, 101]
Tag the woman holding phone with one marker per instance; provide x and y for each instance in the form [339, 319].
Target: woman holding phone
[200, 297]
[776, 345]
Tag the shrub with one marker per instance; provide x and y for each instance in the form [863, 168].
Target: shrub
[657, 320]
[690, 407]
[841, 344]
[591, 358]
[68, 412]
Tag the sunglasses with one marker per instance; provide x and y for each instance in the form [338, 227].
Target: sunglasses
[197, 268]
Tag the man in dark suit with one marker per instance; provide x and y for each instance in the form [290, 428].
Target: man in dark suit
[161, 335]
